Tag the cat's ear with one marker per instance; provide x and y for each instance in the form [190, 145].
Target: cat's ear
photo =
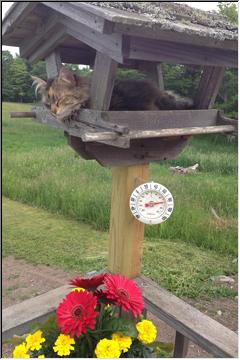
[40, 85]
[66, 76]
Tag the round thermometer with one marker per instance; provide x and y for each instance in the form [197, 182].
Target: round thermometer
[151, 203]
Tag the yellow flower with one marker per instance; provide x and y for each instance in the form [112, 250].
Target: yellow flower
[78, 289]
[147, 332]
[20, 351]
[34, 341]
[124, 342]
[63, 345]
[41, 356]
[107, 349]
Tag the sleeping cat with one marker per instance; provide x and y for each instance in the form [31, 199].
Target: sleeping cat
[69, 92]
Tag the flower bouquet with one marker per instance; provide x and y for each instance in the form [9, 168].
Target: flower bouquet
[100, 317]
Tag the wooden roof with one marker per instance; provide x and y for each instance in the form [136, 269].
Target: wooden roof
[126, 31]
[162, 16]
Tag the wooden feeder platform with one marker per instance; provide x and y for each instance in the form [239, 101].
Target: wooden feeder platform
[105, 36]
[133, 137]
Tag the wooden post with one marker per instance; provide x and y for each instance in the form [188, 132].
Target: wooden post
[209, 85]
[160, 76]
[102, 81]
[53, 64]
[126, 233]
[154, 72]
[181, 346]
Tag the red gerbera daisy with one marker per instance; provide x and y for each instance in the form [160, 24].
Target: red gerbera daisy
[88, 283]
[124, 293]
[76, 314]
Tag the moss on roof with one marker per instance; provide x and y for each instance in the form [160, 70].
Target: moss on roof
[177, 17]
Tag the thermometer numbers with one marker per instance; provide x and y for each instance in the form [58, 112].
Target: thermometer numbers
[151, 203]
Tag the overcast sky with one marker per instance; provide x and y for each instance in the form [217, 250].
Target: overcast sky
[209, 5]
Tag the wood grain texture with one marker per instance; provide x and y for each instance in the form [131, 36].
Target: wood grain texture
[165, 133]
[160, 76]
[126, 233]
[180, 346]
[150, 69]
[49, 45]
[209, 85]
[141, 151]
[153, 71]
[102, 83]
[78, 145]
[190, 322]
[19, 318]
[153, 120]
[164, 51]
[48, 26]
[155, 32]
[19, 12]
[129, 23]
[145, 134]
[53, 64]
[81, 15]
[109, 44]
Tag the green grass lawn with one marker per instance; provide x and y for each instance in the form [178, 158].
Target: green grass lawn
[41, 170]
[40, 237]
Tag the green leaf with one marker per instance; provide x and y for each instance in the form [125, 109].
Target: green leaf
[129, 328]
[159, 346]
[15, 340]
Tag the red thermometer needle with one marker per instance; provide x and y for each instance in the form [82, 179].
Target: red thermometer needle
[153, 203]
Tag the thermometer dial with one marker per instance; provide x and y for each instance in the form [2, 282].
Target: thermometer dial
[151, 203]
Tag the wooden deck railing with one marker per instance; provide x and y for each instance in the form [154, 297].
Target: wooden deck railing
[190, 323]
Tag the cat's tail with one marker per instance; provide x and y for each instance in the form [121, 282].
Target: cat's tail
[168, 100]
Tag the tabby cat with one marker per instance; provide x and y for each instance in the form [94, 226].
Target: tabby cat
[69, 92]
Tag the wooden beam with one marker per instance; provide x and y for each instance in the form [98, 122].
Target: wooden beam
[153, 71]
[190, 322]
[164, 51]
[81, 15]
[181, 346]
[48, 27]
[17, 14]
[102, 82]
[209, 85]
[160, 76]
[109, 44]
[130, 23]
[53, 64]
[142, 121]
[126, 233]
[49, 45]
[164, 133]
[22, 114]
[153, 120]
[181, 37]
[18, 319]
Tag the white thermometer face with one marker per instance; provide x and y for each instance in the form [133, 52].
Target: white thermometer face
[151, 203]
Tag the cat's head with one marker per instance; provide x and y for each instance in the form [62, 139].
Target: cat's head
[63, 94]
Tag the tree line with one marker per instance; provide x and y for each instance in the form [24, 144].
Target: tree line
[17, 82]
